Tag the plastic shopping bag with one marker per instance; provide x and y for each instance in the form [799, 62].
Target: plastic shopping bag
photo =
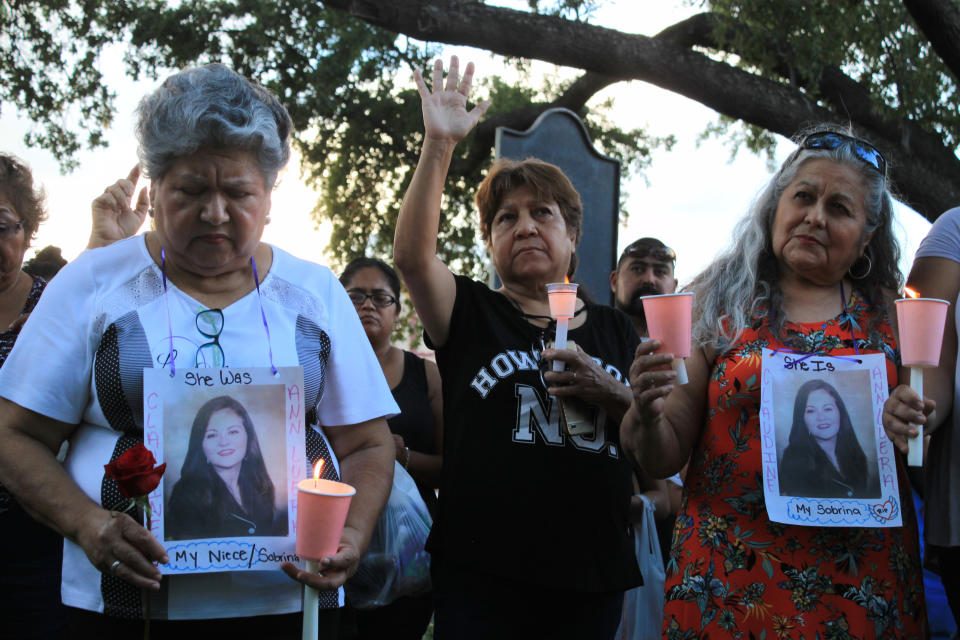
[642, 616]
[395, 563]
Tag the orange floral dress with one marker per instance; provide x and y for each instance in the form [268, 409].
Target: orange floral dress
[733, 573]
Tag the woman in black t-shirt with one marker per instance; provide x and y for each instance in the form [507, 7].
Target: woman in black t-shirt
[374, 288]
[532, 537]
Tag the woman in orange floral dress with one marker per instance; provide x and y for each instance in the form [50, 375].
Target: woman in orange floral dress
[814, 269]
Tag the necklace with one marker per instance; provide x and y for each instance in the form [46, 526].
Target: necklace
[171, 357]
[540, 333]
[534, 316]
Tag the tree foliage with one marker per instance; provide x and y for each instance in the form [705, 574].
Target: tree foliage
[49, 70]
[776, 67]
[347, 84]
[344, 73]
[875, 43]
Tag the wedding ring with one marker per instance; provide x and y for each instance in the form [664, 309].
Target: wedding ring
[113, 567]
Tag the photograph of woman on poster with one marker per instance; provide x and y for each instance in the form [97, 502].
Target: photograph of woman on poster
[824, 458]
[224, 489]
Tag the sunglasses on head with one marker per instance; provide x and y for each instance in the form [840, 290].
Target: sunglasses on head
[661, 254]
[831, 140]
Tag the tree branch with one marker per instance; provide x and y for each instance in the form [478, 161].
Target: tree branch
[574, 98]
[927, 172]
[939, 20]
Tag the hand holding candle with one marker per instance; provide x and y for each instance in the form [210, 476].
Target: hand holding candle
[322, 507]
[669, 320]
[921, 322]
[563, 304]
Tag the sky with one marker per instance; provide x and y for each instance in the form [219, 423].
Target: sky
[691, 196]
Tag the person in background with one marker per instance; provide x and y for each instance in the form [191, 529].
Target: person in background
[374, 289]
[45, 263]
[812, 268]
[212, 144]
[645, 268]
[936, 274]
[30, 564]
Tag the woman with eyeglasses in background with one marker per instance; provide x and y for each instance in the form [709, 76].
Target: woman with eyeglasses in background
[813, 267]
[30, 569]
[374, 289]
[199, 289]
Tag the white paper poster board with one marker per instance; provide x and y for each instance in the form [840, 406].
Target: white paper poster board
[234, 443]
[826, 459]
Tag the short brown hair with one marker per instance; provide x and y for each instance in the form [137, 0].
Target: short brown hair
[16, 183]
[546, 180]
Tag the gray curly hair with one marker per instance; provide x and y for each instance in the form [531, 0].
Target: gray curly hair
[211, 107]
[744, 280]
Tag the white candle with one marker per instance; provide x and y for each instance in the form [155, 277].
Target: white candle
[915, 452]
[920, 322]
[562, 297]
[311, 614]
[322, 507]
[560, 342]
[680, 367]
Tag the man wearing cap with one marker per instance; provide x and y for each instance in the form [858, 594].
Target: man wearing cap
[645, 268]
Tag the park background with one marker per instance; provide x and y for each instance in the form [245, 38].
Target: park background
[690, 196]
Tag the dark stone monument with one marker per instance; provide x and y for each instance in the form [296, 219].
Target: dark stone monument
[559, 137]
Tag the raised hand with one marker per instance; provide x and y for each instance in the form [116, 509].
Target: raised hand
[445, 115]
[114, 216]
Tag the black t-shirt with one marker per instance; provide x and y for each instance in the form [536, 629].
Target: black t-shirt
[519, 498]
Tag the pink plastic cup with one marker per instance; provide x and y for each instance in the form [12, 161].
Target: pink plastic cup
[921, 323]
[322, 507]
[562, 297]
[669, 317]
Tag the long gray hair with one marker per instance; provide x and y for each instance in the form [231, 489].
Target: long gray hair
[744, 280]
[211, 107]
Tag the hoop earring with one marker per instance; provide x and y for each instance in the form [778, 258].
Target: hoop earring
[866, 256]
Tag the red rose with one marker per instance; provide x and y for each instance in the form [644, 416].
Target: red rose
[134, 471]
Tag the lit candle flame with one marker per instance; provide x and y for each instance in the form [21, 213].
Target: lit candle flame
[566, 279]
[913, 293]
[317, 468]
